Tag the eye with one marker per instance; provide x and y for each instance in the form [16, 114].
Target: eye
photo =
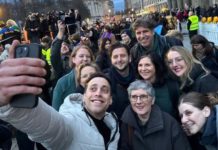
[115, 57]
[169, 62]
[134, 96]
[144, 96]
[93, 89]
[105, 90]
[188, 113]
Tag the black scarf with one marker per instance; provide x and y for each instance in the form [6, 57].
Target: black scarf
[116, 78]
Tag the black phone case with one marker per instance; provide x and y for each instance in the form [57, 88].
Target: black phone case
[26, 100]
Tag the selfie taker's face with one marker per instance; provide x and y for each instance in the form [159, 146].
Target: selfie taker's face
[192, 118]
[97, 96]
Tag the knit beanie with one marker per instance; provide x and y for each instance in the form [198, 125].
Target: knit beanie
[127, 32]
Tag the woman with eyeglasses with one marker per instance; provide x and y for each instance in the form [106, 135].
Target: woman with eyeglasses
[145, 126]
[193, 77]
[167, 92]
[192, 74]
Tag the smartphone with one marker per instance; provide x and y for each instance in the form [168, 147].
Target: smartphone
[32, 50]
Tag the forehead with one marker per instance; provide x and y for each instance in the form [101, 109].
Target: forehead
[145, 59]
[87, 69]
[98, 81]
[140, 29]
[82, 51]
[173, 54]
[139, 91]
[187, 107]
[119, 51]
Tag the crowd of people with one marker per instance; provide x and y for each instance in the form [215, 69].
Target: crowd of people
[109, 85]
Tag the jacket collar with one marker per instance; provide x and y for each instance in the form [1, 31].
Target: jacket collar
[155, 122]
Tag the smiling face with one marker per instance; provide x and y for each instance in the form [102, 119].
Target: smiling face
[146, 69]
[176, 63]
[82, 57]
[97, 97]
[144, 36]
[120, 59]
[141, 103]
[86, 72]
[192, 118]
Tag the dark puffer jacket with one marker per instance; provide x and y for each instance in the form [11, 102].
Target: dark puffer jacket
[160, 132]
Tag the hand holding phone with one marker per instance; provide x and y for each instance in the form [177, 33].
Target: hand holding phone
[26, 100]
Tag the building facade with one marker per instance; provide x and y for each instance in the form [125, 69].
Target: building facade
[99, 8]
[95, 8]
[158, 5]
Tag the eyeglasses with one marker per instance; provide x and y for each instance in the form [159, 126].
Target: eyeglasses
[143, 98]
[175, 60]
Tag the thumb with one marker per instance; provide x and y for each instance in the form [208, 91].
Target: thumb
[15, 43]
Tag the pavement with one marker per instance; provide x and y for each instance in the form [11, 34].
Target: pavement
[186, 39]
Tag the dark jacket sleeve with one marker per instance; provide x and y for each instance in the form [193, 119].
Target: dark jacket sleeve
[56, 62]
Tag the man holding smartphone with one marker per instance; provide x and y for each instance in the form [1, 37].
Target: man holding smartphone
[82, 122]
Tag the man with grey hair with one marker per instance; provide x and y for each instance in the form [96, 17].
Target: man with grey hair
[143, 123]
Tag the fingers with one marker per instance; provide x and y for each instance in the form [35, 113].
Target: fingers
[15, 43]
[22, 70]
[35, 62]
[22, 80]
[20, 76]
[8, 92]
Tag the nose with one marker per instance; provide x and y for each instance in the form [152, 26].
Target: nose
[98, 92]
[138, 101]
[85, 58]
[174, 63]
[184, 119]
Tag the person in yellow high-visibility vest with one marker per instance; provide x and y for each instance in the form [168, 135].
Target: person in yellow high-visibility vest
[46, 49]
[192, 24]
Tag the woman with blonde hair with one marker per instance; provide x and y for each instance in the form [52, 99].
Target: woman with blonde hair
[67, 84]
[191, 72]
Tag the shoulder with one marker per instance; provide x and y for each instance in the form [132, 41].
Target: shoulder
[72, 103]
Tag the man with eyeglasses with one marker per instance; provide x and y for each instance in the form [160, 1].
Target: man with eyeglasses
[145, 126]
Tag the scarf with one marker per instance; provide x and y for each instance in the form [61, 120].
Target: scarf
[116, 78]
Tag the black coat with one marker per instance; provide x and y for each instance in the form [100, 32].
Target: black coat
[202, 82]
[161, 132]
[119, 87]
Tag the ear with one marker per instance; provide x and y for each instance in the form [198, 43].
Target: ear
[111, 101]
[206, 111]
[153, 100]
[130, 59]
[73, 59]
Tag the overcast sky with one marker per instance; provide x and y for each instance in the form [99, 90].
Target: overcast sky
[119, 5]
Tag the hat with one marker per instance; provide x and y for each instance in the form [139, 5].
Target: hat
[127, 32]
